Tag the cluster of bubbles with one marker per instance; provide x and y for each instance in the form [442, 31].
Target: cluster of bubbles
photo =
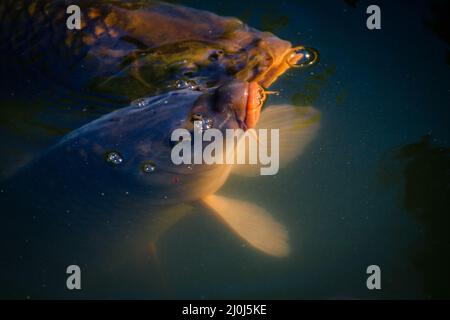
[148, 167]
[201, 123]
[207, 123]
[115, 158]
[185, 84]
[140, 103]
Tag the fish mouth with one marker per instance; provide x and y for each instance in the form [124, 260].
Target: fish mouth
[244, 99]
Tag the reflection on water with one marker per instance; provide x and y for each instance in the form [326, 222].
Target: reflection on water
[423, 171]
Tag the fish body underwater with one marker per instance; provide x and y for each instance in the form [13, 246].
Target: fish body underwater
[104, 186]
[73, 203]
[94, 198]
[54, 80]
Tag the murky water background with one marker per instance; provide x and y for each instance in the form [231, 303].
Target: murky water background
[355, 198]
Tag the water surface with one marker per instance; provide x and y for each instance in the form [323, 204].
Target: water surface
[359, 195]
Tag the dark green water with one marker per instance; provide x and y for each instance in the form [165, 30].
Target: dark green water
[372, 188]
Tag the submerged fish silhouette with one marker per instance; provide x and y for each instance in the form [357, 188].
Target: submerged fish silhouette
[104, 181]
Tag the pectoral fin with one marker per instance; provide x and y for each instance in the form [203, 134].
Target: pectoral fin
[297, 127]
[252, 223]
[167, 219]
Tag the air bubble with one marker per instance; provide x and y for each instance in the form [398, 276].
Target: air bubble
[114, 158]
[149, 167]
[140, 103]
[186, 84]
[207, 123]
[201, 123]
[308, 57]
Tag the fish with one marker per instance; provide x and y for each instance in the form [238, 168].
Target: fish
[140, 48]
[102, 190]
[111, 182]
[55, 79]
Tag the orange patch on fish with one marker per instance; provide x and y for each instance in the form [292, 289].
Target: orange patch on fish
[88, 39]
[111, 20]
[113, 33]
[93, 13]
[99, 30]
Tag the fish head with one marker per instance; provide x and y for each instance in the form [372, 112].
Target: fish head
[164, 46]
[262, 57]
[234, 105]
[277, 56]
[133, 145]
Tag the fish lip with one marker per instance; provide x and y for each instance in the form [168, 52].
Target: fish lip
[253, 105]
[277, 49]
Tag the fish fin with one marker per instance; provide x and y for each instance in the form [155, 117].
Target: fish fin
[252, 223]
[165, 220]
[158, 227]
[297, 127]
